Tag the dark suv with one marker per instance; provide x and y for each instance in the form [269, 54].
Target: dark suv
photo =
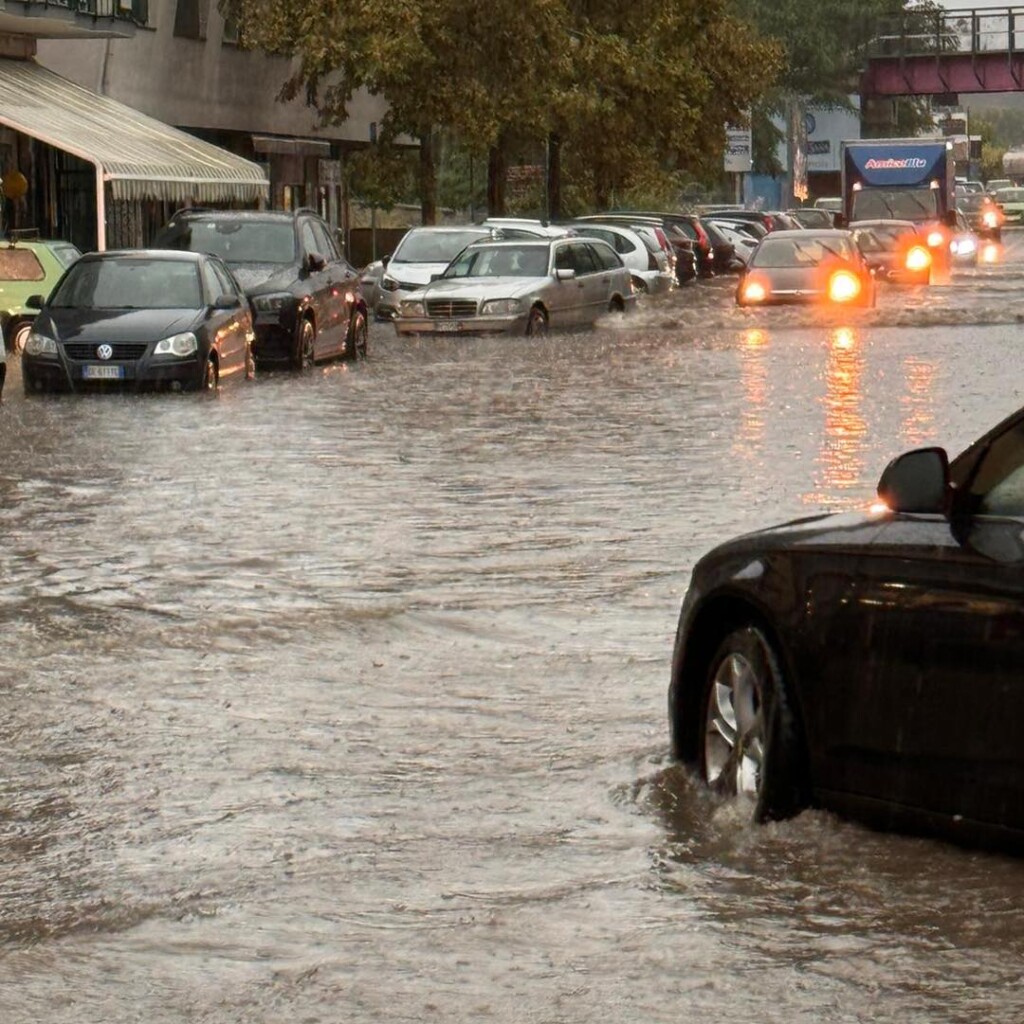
[306, 300]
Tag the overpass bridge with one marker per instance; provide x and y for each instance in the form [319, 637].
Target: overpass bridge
[946, 53]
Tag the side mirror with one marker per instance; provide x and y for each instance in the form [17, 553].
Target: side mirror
[315, 262]
[917, 481]
[436, 277]
[565, 274]
[385, 260]
[839, 220]
[35, 301]
[227, 301]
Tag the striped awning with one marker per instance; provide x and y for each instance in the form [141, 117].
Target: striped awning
[140, 157]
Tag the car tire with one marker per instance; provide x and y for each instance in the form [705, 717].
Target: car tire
[537, 324]
[211, 374]
[304, 357]
[750, 742]
[16, 335]
[357, 338]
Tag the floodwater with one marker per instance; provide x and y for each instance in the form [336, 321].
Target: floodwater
[341, 698]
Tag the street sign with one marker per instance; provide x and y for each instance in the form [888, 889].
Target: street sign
[739, 150]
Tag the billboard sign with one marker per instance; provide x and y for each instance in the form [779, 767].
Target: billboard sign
[739, 149]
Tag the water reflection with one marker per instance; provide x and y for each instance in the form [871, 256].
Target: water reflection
[754, 381]
[842, 450]
[918, 426]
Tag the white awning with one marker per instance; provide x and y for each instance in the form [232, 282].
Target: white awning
[138, 156]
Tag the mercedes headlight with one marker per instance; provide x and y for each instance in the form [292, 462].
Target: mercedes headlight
[177, 345]
[389, 284]
[40, 345]
[412, 309]
[498, 307]
[272, 303]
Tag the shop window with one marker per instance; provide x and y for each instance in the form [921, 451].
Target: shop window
[190, 19]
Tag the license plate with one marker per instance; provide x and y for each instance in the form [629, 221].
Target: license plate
[93, 371]
[449, 326]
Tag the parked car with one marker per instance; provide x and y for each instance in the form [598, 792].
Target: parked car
[870, 664]
[995, 184]
[767, 221]
[422, 253]
[138, 319]
[28, 267]
[812, 217]
[521, 287]
[983, 215]
[647, 261]
[1011, 201]
[894, 250]
[688, 260]
[806, 266]
[743, 244]
[525, 227]
[306, 298]
[833, 204]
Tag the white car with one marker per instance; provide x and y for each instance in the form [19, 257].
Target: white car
[647, 261]
[521, 287]
[422, 254]
[744, 244]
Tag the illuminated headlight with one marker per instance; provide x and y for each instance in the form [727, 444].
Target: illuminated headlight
[40, 345]
[272, 303]
[935, 239]
[754, 291]
[177, 345]
[412, 309]
[389, 284]
[989, 219]
[964, 247]
[843, 286]
[499, 307]
[918, 258]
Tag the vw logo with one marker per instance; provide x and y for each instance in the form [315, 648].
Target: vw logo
[104, 352]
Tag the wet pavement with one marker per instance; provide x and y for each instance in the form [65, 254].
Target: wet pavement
[341, 698]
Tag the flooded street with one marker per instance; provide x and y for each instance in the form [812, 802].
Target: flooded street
[341, 698]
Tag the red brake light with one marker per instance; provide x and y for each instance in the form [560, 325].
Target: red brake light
[769, 222]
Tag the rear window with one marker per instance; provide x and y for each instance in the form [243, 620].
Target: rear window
[20, 265]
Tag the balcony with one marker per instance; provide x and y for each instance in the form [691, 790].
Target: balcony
[72, 19]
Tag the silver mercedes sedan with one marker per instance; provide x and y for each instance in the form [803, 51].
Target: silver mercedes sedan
[523, 286]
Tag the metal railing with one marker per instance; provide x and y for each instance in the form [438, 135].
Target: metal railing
[972, 30]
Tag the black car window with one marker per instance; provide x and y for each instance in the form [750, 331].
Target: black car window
[563, 258]
[997, 487]
[210, 283]
[308, 240]
[604, 257]
[687, 229]
[325, 245]
[130, 283]
[234, 240]
[66, 254]
[582, 260]
[225, 281]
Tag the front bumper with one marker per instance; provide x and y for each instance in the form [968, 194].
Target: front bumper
[506, 324]
[146, 373]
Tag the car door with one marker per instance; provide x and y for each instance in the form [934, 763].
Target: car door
[942, 630]
[593, 280]
[230, 329]
[565, 306]
[339, 275]
[317, 277]
[612, 273]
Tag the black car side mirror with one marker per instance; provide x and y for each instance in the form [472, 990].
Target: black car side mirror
[315, 262]
[384, 261]
[838, 220]
[916, 481]
[35, 301]
[227, 301]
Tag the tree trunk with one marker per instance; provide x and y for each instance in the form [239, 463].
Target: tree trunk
[428, 179]
[554, 171]
[496, 179]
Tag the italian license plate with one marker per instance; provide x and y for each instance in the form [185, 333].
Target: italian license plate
[449, 326]
[93, 371]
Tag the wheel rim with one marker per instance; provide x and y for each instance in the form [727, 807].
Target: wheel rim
[20, 337]
[360, 332]
[734, 728]
[210, 380]
[538, 322]
[307, 353]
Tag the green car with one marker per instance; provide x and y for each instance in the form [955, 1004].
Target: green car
[1012, 202]
[28, 268]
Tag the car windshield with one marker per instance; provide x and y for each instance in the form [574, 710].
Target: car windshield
[130, 283]
[433, 246]
[234, 241]
[973, 203]
[881, 237]
[1010, 195]
[501, 261]
[895, 204]
[792, 252]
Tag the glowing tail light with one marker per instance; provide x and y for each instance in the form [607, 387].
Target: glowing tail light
[843, 286]
[936, 239]
[754, 291]
[918, 258]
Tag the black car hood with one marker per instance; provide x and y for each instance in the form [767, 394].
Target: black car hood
[264, 277]
[114, 325]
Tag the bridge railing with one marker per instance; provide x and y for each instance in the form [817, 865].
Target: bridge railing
[965, 30]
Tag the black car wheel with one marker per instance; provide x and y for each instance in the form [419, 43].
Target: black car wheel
[17, 334]
[357, 339]
[211, 375]
[750, 743]
[537, 323]
[305, 346]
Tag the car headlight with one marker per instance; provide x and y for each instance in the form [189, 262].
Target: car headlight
[989, 219]
[498, 307]
[389, 284]
[40, 345]
[412, 309]
[755, 290]
[177, 345]
[935, 239]
[918, 258]
[843, 286]
[272, 303]
[965, 247]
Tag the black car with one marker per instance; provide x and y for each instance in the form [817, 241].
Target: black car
[305, 297]
[870, 664]
[983, 215]
[139, 319]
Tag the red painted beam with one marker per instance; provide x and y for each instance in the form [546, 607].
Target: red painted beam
[949, 73]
